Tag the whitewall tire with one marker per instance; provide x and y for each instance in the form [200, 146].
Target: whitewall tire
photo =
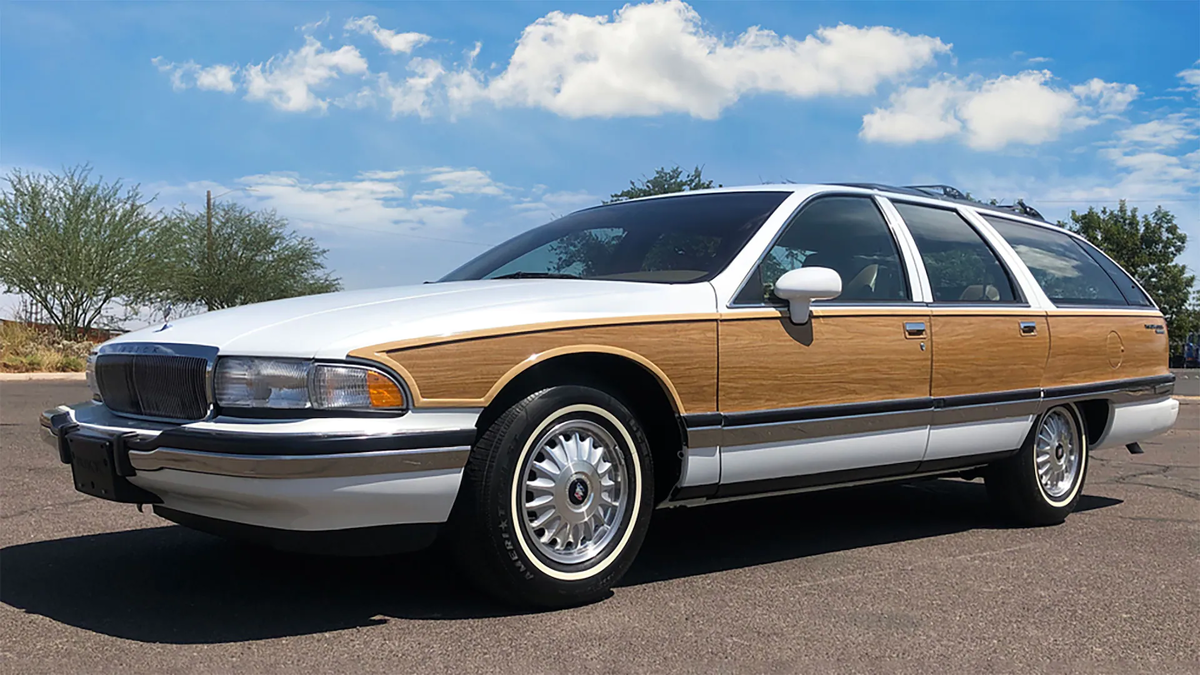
[555, 500]
[1042, 483]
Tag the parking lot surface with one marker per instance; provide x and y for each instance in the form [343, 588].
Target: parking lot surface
[921, 577]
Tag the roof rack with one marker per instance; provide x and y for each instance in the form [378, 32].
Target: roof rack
[951, 194]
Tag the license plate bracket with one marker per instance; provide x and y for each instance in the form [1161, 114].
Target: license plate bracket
[96, 468]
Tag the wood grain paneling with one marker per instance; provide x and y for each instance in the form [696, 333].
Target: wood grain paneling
[1082, 350]
[984, 351]
[470, 372]
[770, 363]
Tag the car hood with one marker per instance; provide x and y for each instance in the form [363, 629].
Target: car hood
[333, 324]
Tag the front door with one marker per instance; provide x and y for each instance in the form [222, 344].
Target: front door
[989, 346]
[843, 396]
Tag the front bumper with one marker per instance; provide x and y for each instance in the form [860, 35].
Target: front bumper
[306, 475]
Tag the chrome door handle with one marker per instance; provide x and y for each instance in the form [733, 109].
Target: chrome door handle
[1029, 328]
[914, 329]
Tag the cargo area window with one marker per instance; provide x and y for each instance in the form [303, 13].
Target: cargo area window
[845, 234]
[961, 266]
[1067, 272]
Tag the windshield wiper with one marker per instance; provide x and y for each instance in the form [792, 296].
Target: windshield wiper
[537, 275]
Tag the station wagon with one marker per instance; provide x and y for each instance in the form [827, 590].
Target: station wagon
[534, 406]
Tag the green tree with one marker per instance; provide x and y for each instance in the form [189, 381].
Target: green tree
[76, 246]
[252, 257]
[664, 182]
[1148, 247]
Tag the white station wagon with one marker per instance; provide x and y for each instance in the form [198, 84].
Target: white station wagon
[536, 405]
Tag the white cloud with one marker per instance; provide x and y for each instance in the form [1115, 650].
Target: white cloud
[1017, 109]
[1038, 59]
[1191, 75]
[191, 74]
[356, 204]
[464, 182]
[1191, 78]
[396, 43]
[989, 114]
[1167, 132]
[382, 175]
[657, 58]
[916, 114]
[412, 95]
[1110, 97]
[310, 27]
[288, 82]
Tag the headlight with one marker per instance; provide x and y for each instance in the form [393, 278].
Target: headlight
[91, 378]
[293, 384]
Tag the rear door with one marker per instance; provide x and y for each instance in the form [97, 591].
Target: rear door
[989, 344]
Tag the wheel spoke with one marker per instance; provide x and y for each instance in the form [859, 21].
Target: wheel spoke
[573, 487]
[538, 502]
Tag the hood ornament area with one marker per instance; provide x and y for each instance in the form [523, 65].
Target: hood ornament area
[166, 319]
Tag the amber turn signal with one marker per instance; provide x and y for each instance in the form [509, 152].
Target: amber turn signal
[384, 393]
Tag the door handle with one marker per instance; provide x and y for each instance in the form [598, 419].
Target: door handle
[914, 329]
[1029, 328]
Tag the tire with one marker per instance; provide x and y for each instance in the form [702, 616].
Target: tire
[1016, 485]
[535, 460]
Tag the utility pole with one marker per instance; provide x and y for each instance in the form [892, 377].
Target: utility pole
[208, 241]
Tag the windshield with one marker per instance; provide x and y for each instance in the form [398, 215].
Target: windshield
[666, 240]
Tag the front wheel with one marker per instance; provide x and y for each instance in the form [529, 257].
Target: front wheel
[1041, 484]
[555, 500]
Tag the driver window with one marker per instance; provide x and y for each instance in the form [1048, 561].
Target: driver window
[845, 234]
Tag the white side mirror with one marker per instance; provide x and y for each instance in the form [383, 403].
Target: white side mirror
[800, 287]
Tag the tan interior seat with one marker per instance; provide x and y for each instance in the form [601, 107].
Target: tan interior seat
[865, 280]
[979, 292]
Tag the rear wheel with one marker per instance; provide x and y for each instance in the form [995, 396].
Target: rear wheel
[1041, 484]
[555, 500]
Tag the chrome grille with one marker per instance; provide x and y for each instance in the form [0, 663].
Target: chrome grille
[154, 385]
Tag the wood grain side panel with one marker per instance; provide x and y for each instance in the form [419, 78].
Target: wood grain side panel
[1084, 349]
[471, 372]
[983, 353]
[770, 363]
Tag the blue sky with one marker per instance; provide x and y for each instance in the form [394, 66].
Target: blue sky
[406, 136]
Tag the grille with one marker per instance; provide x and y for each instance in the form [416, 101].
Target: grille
[172, 387]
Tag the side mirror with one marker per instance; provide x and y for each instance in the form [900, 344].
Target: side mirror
[800, 287]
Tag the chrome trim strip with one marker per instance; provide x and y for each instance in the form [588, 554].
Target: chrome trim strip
[704, 501]
[301, 466]
[986, 412]
[777, 432]
[705, 437]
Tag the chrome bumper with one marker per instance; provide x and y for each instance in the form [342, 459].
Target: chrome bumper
[312, 475]
[316, 448]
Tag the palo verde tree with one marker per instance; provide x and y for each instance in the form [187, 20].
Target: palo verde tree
[580, 252]
[74, 245]
[250, 256]
[1148, 247]
[664, 182]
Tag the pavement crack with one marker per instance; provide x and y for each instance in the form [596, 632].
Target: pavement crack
[40, 507]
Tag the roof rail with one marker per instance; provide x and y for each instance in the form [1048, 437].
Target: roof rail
[951, 194]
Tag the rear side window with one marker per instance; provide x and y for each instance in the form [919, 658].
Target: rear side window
[1129, 288]
[1064, 270]
[961, 266]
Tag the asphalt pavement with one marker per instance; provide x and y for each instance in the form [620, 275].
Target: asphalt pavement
[922, 578]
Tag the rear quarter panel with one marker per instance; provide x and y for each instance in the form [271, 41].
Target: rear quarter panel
[1088, 346]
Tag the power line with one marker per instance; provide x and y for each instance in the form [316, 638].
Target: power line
[398, 234]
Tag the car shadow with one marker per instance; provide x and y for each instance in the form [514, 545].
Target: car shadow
[172, 585]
